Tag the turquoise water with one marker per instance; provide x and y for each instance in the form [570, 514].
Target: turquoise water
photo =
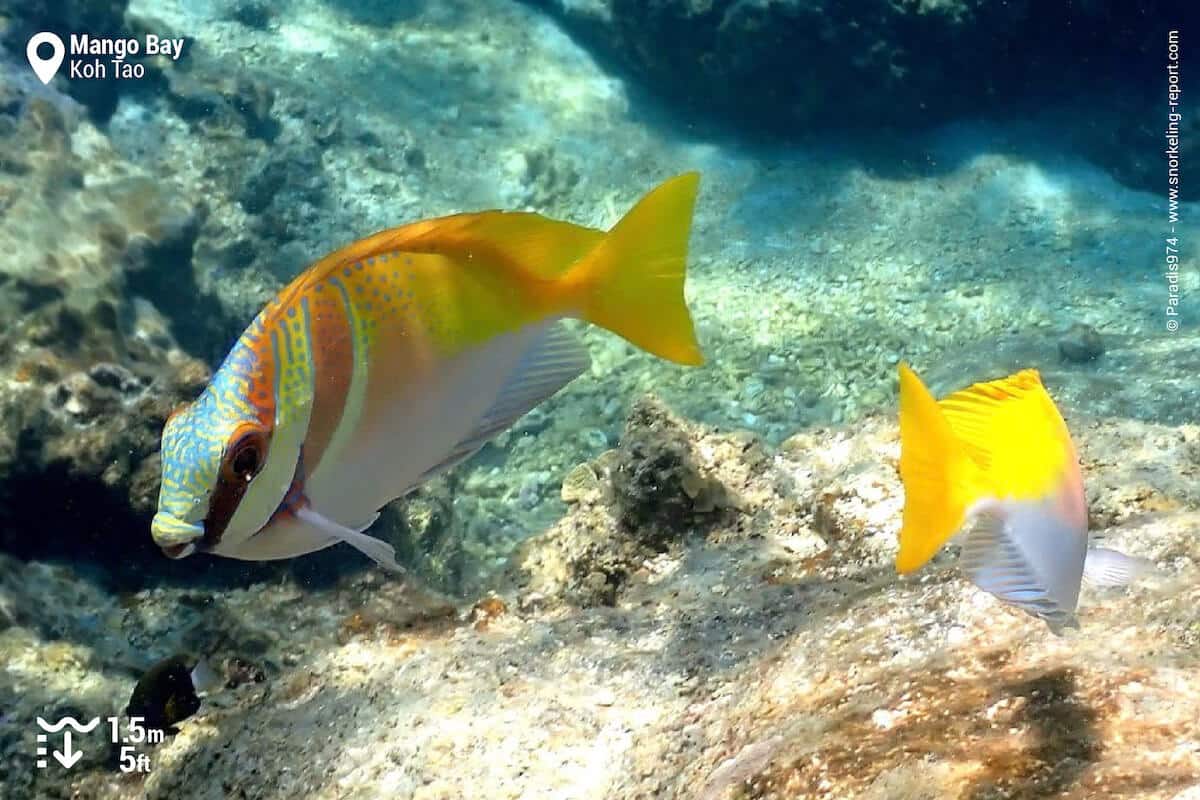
[664, 580]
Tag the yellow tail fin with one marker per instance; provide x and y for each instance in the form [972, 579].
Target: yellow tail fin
[632, 282]
[940, 480]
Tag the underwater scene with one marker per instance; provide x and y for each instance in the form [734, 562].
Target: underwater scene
[589, 399]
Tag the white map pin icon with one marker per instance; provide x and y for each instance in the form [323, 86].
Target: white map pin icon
[45, 68]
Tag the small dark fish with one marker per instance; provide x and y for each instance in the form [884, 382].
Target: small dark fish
[167, 693]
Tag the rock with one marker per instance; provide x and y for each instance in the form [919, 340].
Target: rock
[1080, 344]
[428, 533]
[232, 102]
[593, 439]
[255, 14]
[582, 485]
[549, 179]
[283, 192]
[631, 504]
[238, 671]
[658, 489]
[727, 664]
[263, 184]
[783, 66]
[23, 18]
[88, 374]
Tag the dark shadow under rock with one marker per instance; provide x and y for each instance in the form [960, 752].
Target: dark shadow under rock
[789, 69]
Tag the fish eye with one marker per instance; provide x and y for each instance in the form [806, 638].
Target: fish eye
[245, 463]
[245, 457]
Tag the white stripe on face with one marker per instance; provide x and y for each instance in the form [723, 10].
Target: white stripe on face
[294, 388]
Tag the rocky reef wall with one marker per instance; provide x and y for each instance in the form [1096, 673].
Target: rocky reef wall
[90, 368]
[796, 69]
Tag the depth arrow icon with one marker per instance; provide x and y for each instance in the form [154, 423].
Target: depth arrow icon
[68, 757]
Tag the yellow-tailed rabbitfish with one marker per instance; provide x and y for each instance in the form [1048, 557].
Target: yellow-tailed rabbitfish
[399, 356]
[998, 454]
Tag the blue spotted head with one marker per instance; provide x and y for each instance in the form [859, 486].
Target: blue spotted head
[210, 459]
[231, 458]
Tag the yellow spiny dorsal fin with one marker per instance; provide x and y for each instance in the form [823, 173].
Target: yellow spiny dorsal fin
[523, 242]
[941, 480]
[542, 247]
[1013, 431]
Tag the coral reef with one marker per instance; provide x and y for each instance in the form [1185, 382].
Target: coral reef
[267, 165]
[90, 370]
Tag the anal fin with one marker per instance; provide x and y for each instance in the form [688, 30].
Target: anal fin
[993, 562]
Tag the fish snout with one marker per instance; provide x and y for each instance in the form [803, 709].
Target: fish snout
[176, 537]
[177, 551]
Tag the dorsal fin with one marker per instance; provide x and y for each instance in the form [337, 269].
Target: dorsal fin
[1013, 431]
[540, 247]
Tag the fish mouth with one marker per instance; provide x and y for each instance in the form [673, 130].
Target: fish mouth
[177, 551]
[175, 537]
